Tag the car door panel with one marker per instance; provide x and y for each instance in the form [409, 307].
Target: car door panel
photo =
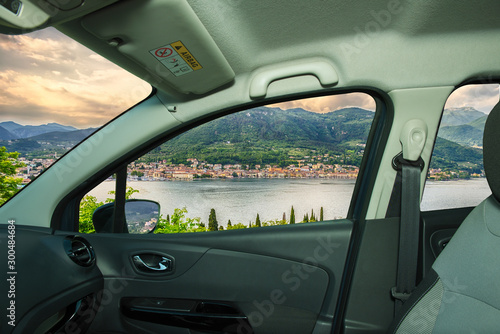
[47, 287]
[264, 288]
[370, 307]
[282, 279]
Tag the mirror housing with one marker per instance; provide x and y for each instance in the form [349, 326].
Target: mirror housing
[141, 216]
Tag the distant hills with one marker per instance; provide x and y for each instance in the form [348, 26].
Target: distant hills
[464, 126]
[65, 136]
[6, 134]
[36, 140]
[12, 130]
[271, 135]
[463, 134]
[460, 116]
[345, 126]
[460, 140]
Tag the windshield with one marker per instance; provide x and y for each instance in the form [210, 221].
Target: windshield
[55, 93]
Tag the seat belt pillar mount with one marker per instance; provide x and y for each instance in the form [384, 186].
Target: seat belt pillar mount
[413, 136]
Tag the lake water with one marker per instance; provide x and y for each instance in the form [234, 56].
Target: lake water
[241, 199]
[454, 194]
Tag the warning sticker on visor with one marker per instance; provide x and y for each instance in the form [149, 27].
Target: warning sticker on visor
[176, 58]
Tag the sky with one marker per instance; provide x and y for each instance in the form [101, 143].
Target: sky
[47, 77]
[481, 97]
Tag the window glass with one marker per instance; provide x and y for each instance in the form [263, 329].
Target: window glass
[55, 92]
[456, 174]
[279, 164]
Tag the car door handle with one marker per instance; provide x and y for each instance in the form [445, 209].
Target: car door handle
[151, 263]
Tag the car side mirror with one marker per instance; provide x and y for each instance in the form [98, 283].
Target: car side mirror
[141, 216]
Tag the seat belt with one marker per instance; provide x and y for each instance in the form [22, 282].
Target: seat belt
[413, 137]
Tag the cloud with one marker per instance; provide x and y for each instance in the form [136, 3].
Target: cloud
[331, 103]
[481, 97]
[47, 77]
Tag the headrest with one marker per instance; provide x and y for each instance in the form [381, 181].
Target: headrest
[491, 151]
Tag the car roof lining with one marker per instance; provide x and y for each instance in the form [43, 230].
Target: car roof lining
[418, 45]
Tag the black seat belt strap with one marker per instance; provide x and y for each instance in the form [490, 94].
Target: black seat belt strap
[408, 234]
[413, 137]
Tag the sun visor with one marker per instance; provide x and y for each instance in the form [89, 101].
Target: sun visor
[165, 38]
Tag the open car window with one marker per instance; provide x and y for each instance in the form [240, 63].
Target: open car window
[287, 163]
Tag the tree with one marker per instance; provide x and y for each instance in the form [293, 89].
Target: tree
[89, 204]
[137, 173]
[237, 226]
[128, 194]
[179, 223]
[313, 217]
[213, 225]
[229, 225]
[306, 219]
[321, 214]
[201, 228]
[257, 221]
[292, 216]
[8, 167]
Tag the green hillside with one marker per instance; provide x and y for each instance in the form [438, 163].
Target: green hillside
[272, 136]
[462, 134]
[470, 134]
[479, 123]
[452, 156]
[460, 116]
[69, 137]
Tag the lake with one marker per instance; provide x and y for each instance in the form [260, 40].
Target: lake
[241, 199]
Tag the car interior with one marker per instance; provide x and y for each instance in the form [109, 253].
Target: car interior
[387, 267]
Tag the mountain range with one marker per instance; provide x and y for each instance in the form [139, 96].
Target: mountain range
[464, 126]
[267, 135]
[272, 136]
[35, 141]
[11, 130]
[344, 126]
[459, 116]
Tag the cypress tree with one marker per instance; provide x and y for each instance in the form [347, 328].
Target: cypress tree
[212, 221]
[257, 221]
[229, 225]
[321, 215]
[306, 218]
[292, 216]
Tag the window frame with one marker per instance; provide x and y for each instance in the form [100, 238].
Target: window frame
[66, 214]
[473, 81]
